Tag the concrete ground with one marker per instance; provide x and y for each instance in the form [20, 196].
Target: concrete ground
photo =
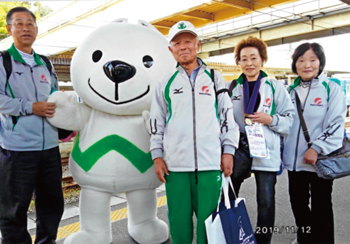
[284, 216]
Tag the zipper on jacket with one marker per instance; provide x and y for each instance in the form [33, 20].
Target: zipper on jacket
[42, 118]
[194, 126]
[194, 132]
[297, 144]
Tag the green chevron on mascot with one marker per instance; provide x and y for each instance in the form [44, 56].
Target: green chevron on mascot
[114, 72]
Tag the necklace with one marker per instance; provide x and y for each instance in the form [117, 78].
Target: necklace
[305, 84]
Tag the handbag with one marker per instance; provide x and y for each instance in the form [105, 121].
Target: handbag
[334, 165]
[242, 160]
[230, 223]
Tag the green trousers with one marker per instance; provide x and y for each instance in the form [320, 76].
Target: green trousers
[185, 196]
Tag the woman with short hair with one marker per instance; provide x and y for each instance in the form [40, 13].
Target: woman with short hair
[261, 106]
[323, 107]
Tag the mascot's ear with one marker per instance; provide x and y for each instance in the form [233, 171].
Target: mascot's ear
[121, 20]
[146, 24]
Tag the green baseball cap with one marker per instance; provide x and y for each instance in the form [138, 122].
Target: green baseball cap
[180, 27]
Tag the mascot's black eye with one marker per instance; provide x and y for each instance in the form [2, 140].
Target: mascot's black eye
[147, 61]
[96, 56]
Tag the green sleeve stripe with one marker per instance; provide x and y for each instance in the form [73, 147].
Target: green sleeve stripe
[327, 88]
[13, 127]
[208, 73]
[11, 92]
[13, 96]
[273, 100]
[167, 94]
[273, 89]
[216, 103]
[273, 107]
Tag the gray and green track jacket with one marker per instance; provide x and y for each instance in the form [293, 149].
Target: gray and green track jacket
[324, 114]
[188, 124]
[26, 85]
[274, 100]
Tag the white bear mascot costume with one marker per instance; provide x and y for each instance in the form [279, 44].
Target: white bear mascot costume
[114, 71]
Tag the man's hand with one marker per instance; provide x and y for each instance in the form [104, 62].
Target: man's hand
[44, 109]
[262, 118]
[310, 157]
[161, 169]
[227, 164]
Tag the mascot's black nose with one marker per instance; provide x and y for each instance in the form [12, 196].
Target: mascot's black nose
[118, 71]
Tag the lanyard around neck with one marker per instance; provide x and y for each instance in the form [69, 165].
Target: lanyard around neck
[249, 102]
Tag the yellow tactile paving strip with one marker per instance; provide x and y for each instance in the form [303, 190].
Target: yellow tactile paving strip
[119, 214]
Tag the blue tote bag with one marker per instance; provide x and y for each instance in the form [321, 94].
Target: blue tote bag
[230, 223]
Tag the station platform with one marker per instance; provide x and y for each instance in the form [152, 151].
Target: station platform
[284, 217]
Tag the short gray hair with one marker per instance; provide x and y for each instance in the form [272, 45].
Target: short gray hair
[197, 40]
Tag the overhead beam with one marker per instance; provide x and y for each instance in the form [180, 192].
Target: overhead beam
[218, 10]
[329, 25]
[200, 15]
[162, 26]
[236, 4]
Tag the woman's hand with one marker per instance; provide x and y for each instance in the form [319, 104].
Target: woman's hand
[310, 157]
[262, 118]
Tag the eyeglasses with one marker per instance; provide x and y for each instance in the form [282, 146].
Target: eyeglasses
[20, 24]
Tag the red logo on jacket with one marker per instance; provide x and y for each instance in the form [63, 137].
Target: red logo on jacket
[205, 89]
[268, 101]
[318, 100]
[43, 78]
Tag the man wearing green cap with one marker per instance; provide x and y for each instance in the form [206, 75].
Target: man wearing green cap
[194, 135]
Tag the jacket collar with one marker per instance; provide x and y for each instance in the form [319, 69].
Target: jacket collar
[320, 79]
[17, 56]
[241, 78]
[200, 62]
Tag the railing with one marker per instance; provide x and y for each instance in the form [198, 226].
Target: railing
[289, 12]
[61, 60]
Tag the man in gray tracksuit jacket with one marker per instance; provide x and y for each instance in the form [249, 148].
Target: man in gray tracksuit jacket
[29, 155]
[193, 136]
[189, 124]
[18, 99]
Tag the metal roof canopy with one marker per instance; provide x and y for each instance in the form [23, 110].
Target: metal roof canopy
[208, 13]
[215, 11]
[54, 34]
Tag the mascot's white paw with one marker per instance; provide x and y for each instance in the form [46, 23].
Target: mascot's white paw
[153, 231]
[65, 108]
[84, 237]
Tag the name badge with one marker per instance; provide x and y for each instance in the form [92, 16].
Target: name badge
[256, 140]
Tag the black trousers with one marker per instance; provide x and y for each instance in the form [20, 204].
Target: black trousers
[21, 174]
[315, 223]
[265, 197]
